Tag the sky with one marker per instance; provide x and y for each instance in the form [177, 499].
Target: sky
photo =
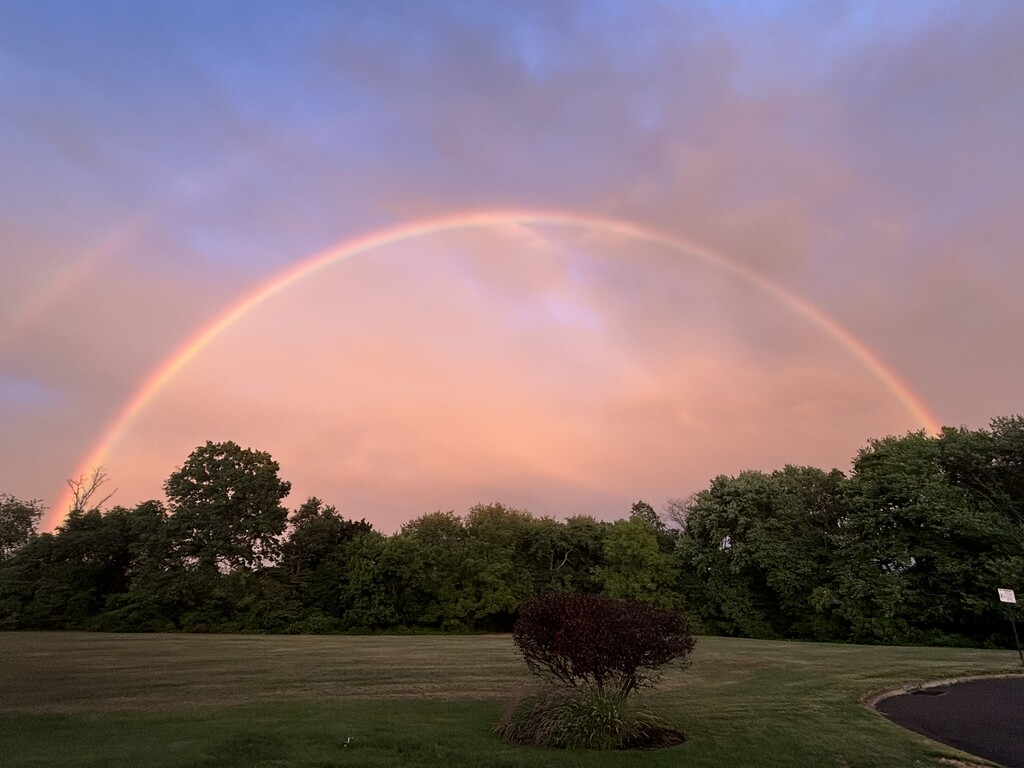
[562, 255]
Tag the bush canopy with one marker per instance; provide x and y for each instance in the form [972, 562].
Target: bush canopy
[594, 641]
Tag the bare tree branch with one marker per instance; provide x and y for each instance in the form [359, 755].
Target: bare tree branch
[85, 488]
[676, 510]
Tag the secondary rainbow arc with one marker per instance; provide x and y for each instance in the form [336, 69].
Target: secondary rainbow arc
[184, 354]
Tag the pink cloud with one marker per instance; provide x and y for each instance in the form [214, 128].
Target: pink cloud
[415, 379]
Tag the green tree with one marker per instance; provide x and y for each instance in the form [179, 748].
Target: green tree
[561, 556]
[926, 542]
[498, 543]
[98, 570]
[18, 521]
[1008, 459]
[437, 545]
[641, 510]
[20, 576]
[75, 571]
[988, 464]
[584, 547]
[314, 562]
[376, 588]
[153, 576]
[635, 567]
[315, 530]
[226, 507]
[644, 512]
[762, 549]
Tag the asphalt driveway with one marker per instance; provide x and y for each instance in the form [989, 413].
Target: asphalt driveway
[982, 717]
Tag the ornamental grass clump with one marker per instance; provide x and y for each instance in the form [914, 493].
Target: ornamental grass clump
[592, 653]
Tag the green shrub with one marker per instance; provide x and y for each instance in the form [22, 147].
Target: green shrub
[590, 718]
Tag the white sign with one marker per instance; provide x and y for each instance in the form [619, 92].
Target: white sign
[1007, 596]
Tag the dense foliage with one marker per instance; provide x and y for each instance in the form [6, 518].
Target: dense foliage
[909, 547]
[595, 641]
[18, 519]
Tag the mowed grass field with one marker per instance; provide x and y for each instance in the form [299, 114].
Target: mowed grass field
[251, 701]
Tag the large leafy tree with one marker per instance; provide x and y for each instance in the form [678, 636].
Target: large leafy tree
[562, 556]
[988, 464]
[87, 573]
[927, 540]
[643, 511]
[74, 571]
[437, 545]
[498, 539]
[761, 548]
[377, 582]
[226, 507]
[583, 543]
[315, 558]
[315, 530]
[635, 567]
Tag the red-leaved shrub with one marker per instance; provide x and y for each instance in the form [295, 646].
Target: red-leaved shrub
[594, 641]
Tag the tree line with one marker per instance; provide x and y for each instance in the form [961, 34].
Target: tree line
[909, 547]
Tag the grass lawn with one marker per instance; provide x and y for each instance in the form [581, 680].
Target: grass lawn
[252, 701]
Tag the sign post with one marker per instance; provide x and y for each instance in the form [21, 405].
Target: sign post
[1007, 596]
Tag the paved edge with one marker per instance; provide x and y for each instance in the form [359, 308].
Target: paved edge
[872, 699]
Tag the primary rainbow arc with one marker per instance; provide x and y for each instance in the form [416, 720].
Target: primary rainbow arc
[467, 220]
